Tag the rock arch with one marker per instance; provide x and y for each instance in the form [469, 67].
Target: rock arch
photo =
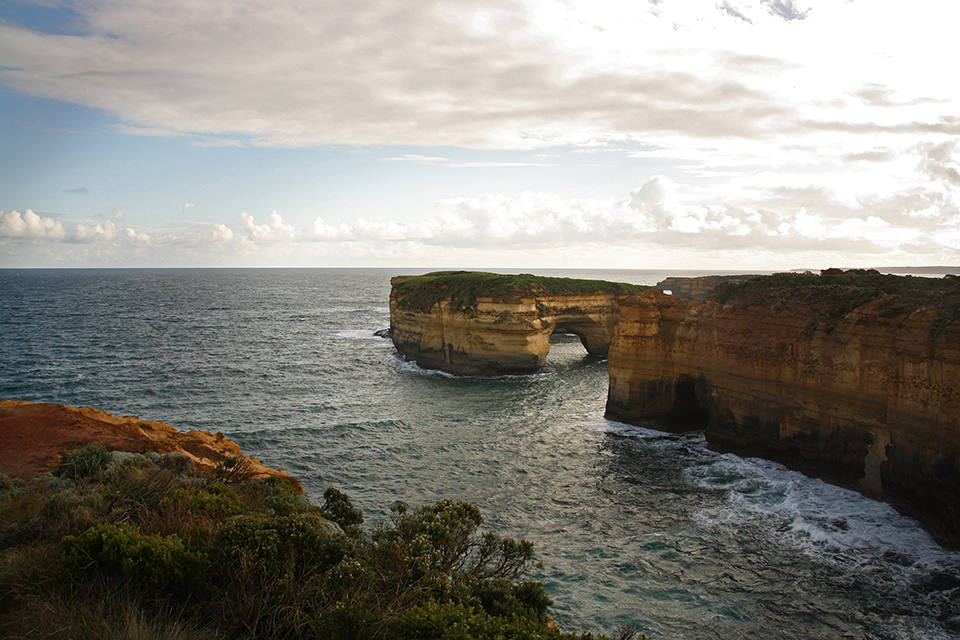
[498, 336]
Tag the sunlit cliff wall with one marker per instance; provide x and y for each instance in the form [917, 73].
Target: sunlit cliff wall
[867, 398]
[501, 336]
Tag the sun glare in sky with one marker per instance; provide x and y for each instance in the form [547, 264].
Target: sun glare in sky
[712, 134]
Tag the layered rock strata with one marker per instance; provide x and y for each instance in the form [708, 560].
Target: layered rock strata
[506, 334]
[868, 398]
[32, 436]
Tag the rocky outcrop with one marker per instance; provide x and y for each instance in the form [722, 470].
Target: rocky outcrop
[501, 336]
[863, 395]
[32, 436]
[507, 333]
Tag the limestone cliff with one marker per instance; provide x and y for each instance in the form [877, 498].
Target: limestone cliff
[486, 324]
[862, 391]
[32, 436]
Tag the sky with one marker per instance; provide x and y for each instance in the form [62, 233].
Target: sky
[649, 134]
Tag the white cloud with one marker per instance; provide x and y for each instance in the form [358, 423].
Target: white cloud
[782, 226]
[491, 74]
[29, 225]
[98, 232]
[276, 231]
[136, 238]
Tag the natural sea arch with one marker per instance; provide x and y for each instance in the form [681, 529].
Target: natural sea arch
[489, 324]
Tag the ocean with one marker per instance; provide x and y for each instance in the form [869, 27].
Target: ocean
[632, 525]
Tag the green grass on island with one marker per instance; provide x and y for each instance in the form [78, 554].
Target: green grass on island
[463, 288]
[833, 293]
[123, 545]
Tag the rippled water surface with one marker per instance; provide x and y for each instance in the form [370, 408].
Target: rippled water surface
[632, 525]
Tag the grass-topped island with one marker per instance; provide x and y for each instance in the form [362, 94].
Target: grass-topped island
[476, 323]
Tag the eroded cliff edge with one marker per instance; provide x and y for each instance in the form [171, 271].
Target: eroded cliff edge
[32, 436]
[841, 381]
[471, 323]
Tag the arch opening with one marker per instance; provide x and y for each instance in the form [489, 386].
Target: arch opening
[687, 410]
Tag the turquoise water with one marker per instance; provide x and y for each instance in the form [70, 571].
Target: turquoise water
[632, 524]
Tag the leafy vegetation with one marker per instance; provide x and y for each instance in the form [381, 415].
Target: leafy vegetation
[140, 546]
[462, 288]
[833, 293]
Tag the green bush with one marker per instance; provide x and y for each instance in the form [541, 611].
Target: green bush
[338, 508]
[151, 545]
[217, 501]
[119, 549]
[442, 540]
[297, 544]
[86, 462]
[452, 621]
[504, 598]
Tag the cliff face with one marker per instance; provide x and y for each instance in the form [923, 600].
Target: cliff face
[500, 336]
[33, 435]
[869, 399]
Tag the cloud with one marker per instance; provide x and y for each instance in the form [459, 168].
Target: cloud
[878, 95]
[785, 9]
[29, 225]
[421, 72]
[187, 206]
[879, 154]
[734, 13]
[77, 190]
[94, 233]
[504, 74]
[936, 161]
[773, 222]
[447, 162]
[275, 231]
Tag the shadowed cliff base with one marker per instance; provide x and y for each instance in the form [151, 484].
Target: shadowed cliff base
[474, 323]
[851, 376]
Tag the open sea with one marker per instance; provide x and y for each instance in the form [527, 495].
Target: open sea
[632, 525]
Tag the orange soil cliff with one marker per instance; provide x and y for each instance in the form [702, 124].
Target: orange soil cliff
[32, 436]
[868, 399]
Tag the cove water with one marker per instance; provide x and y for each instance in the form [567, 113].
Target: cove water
[632, 525]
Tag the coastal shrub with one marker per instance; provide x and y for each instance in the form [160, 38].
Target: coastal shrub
[504, 598]
[296, 544]
[847, 289]
[102, 615]
[442, 539]
[338, 508]
[235, 469]
[151, 549]
[83, 463]
[215, 501]
[161, 562]
[453, 621]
